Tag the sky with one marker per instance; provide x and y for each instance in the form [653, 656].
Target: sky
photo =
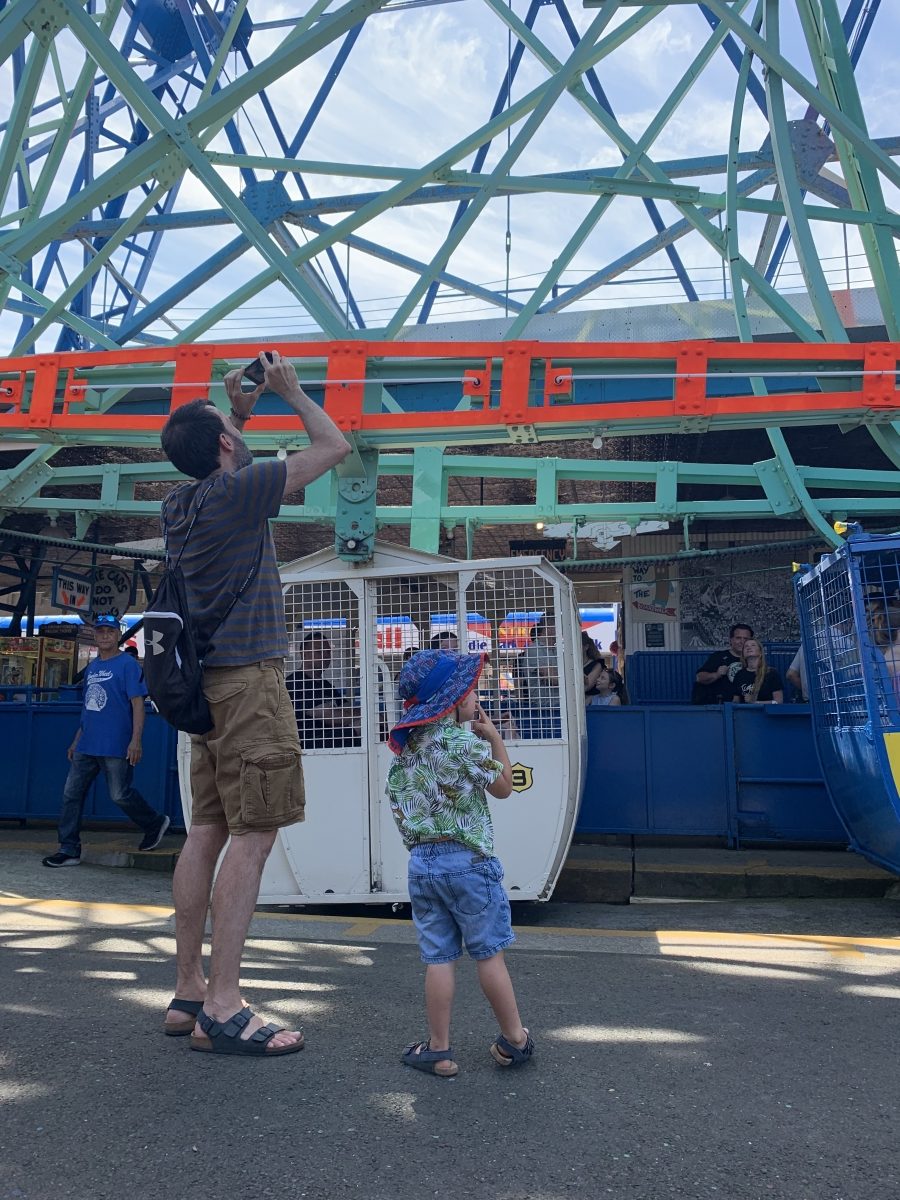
[419, 79]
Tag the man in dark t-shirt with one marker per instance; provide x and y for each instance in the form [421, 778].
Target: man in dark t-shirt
[325, 718]
[246, 777]
[713, 681]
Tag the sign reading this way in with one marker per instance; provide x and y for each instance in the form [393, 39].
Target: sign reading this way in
[70, 591]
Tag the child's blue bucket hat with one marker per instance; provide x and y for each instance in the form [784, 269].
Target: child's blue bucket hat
[431, 685]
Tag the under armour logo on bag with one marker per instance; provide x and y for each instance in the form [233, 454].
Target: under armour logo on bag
[155, 642]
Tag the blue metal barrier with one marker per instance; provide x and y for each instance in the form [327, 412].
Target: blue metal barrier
[738, 772]
[667, 676]
[34, 737]
[735, 771]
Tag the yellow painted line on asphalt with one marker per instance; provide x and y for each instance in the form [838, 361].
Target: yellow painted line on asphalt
[37, 904]
[706, 937]
[356, 926]
[361, 927]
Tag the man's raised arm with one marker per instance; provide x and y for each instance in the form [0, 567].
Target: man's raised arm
[327, 445]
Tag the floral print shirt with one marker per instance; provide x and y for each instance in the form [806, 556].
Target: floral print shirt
[436, 786]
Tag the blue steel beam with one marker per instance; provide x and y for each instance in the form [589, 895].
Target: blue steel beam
[637, 152]
[99, 112]
[588, 51]
[588, 181]
[651, 207]
[696, 217]
[512, 68]
[291, 150]
[868, 9]
[182, 152]
[735, 54]
[135, 163]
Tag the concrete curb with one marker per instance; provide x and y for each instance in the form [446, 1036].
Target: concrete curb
[137, 860]
[597, 874]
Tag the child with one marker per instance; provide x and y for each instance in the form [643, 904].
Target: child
[606, 689]
[436, 789]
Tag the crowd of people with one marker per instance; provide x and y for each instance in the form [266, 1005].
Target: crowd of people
[742, 675]
[522, 698]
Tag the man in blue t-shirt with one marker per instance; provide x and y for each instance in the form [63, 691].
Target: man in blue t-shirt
[108, 740]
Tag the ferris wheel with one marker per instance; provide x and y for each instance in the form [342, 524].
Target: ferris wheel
[180, 169]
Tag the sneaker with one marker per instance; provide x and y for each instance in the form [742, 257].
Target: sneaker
[61, 860]
[152, 839]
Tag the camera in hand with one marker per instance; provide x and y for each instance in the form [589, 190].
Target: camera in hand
[254, 371]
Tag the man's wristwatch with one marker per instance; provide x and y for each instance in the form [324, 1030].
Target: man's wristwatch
[236, 416]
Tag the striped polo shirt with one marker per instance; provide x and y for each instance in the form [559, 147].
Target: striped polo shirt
[220, 554]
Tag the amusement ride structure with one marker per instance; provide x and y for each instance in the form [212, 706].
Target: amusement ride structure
[659, 238]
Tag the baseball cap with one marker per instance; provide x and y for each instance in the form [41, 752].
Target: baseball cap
[106, 621]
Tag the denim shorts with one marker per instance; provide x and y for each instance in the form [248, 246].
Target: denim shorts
[457, 896]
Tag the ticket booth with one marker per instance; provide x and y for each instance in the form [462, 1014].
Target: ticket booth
[351, 628]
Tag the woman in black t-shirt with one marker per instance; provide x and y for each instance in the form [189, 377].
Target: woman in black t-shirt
[755, 682]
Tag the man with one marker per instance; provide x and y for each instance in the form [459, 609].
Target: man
[445, 640]
[246, 776]
[325, 720]
[713, 680]
[108, 739]
[537, 684]
[796, 674]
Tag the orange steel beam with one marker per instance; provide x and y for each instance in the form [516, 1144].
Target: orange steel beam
[501, 384]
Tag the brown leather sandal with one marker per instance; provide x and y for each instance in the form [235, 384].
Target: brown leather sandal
[224, 1037]
[182, 1028]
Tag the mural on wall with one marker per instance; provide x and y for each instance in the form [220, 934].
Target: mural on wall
[756, 589]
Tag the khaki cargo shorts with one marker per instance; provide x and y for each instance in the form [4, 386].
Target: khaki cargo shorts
[246, 771]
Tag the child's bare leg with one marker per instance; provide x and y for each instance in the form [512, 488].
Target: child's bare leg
[497, 987]
[440, 985]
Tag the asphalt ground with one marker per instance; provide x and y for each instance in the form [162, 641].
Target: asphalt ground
[731, 1049]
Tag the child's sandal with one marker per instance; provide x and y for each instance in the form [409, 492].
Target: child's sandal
[505, 1054]
[420, 1056]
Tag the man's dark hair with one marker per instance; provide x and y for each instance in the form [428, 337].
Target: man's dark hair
[438, 640]
[190, 439]
[733, 630]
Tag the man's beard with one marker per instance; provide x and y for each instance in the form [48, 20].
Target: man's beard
[242, 456]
